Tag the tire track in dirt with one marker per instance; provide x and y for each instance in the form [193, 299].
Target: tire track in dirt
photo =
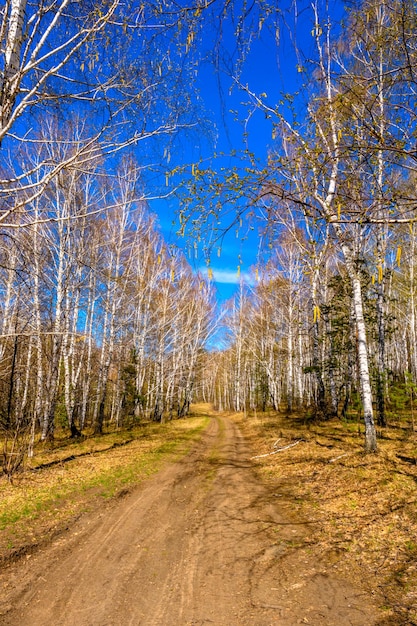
[203, 542]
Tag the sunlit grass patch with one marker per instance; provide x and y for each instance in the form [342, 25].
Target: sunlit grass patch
[56, 489]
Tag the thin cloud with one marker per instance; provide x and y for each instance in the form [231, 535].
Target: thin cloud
[228, 276]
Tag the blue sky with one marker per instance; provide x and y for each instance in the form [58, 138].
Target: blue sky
[270, 69]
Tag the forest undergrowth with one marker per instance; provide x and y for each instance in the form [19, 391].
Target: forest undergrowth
[69, 477]
[360, 509]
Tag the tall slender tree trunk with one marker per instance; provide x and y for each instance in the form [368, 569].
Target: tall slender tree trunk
[380, 245]
[363, 364]
[380, 380]
[412, 307]
[10, 78]
[332, 410]
[290, 366]
[350, 363]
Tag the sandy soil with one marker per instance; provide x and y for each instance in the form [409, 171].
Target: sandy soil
[203, 542]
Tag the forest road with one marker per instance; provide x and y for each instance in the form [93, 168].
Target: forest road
[203, 542]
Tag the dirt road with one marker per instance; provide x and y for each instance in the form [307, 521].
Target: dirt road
[201, 543]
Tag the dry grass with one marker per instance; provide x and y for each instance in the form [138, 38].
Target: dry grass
[360, 508]
[64, 480]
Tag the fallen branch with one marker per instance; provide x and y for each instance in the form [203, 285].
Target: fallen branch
[290, 445]
[407, 459]
[336, 458]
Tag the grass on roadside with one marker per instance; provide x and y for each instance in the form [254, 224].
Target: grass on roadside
[360, 509]
[69, 478]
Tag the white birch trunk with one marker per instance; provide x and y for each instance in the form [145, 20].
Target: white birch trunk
[9, 87]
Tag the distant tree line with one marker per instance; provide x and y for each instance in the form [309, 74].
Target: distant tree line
[99, 321]
[294, 349]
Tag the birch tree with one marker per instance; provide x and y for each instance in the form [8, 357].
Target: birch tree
[328, 187]
[119, 64]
